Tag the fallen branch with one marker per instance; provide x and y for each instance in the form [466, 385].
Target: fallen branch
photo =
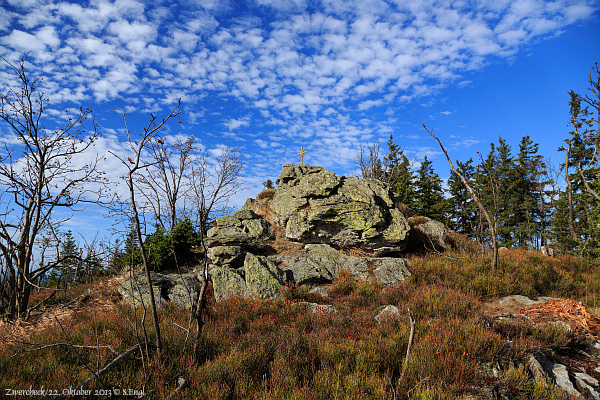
[410, 342]
[111, 364]
[57, 344]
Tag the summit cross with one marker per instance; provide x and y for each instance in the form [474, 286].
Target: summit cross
[301, 154]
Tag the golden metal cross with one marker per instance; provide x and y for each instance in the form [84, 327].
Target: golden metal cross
[301, 154]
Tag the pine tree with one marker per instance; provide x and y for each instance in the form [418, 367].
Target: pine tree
[398, 174]
[70, 266]
[524, 194]
[429, 193]
[463, 212]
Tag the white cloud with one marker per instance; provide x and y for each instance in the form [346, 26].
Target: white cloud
[302, 71]
[23, 41]
[234, 123]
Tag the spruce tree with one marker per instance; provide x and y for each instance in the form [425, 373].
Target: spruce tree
[524, 194]
[429, 193]
[70, 265]
[463, 211]
[398, 174]
[494, 185]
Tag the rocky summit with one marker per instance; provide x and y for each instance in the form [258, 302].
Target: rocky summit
[311, 227]
[316, 206]
[306, 231]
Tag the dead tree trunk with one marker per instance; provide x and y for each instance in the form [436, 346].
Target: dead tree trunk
[491, 224]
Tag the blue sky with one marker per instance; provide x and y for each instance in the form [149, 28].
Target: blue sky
[270, 76]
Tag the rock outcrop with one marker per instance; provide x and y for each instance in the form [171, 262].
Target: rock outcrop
[182, 290]
[325, 222]
[320, 263]
[316, 206]
[329, 223]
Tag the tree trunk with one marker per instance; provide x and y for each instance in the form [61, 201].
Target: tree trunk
[493, 225]
[138, 230]
[569, 194]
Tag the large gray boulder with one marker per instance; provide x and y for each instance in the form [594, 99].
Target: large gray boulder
[259, 277]
[316, 206]
[233, 236]
[427, 234]
[182, 290]
[320, 263]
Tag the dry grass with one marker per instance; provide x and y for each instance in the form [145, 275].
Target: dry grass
[101, 298]
[266, 194]
[259, 349]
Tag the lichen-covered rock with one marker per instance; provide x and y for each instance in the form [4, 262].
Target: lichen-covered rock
[259, 277]
[315, 206]
[262, 276]
[227, 282]
[389, 271]
[223, 255]
[388, 312]
[320, 263]
[233, 236]
[135, 290]
[427, 234]
[182, 290]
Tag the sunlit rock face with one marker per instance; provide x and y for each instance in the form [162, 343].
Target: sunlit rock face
[316, 206]
[311, 227]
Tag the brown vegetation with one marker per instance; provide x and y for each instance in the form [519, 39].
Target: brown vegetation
[253, 348]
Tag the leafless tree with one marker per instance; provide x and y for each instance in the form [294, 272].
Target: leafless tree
[136, 163]
[212, 184]
[40, 172]
[369, 163]
[166, 185]
[594, 102]
[492, 223]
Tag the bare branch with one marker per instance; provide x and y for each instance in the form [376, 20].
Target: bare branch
[491, 223]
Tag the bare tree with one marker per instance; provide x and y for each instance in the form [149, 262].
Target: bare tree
[135, 164]
[166, 185]
[594, 102]
[39, 173]
[369, 163]
[492, 224]
[211, 188]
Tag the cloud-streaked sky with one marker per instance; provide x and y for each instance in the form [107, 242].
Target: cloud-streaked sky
[270, 76]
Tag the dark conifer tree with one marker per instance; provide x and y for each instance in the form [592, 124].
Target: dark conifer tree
[399, 174]
[429, 193]
[463, 213]
[524, 194]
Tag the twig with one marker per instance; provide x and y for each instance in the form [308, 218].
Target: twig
[57, 344]
[418, 384]
[111, 364]
[410, 342]
[77, 354]
[74, 300]
[509, 314]
[393, 390]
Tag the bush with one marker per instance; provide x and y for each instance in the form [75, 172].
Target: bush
[164, 251]
[266, 194]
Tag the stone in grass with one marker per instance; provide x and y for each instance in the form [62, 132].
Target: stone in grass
[388, 312]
